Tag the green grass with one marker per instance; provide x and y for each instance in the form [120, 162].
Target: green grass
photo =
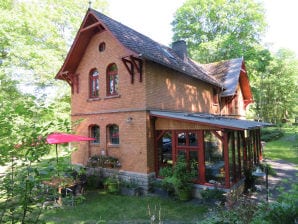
[107, 208]
[285, 148]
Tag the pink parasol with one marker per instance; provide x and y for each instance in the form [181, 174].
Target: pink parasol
[60, 138]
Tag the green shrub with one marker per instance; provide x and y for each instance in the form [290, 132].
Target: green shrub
[270, 134]
[213, 194]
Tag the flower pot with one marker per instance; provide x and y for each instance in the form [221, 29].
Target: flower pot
[113, 187]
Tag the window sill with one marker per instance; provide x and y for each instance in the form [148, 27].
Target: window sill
[95, 144]
[113, 145]
[112, 96]
[93, 99]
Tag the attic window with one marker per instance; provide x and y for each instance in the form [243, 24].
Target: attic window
[102, 46]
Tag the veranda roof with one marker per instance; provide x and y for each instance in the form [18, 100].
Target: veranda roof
[211, 120]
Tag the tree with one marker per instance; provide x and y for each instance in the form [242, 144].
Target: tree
[278, 88]
[34, 39]
[221, 29]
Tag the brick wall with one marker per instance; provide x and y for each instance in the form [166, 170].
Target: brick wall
[170, 90]
[162, 88]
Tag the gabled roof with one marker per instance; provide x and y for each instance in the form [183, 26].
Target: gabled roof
[211, 120]
[230, 73]
[221, 74]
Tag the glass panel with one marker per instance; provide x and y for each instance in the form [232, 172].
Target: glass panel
[114, 134]
[181, 138]
[214, 160]
[194, 164]
[165, 149]
[193, 139]
[94, 83]
[95, 133]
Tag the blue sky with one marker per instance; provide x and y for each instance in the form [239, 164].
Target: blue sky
[153, 18]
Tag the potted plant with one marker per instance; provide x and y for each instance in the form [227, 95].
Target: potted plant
[111, 184]
[179, 180]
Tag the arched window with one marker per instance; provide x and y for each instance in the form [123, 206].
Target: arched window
[112, 79]
[113, 134]
[94, 83]
[95, 133]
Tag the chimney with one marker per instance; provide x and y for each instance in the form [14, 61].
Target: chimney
[180, 49]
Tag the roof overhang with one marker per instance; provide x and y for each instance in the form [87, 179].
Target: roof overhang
[211, 120]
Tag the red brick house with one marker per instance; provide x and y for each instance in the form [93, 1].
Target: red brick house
[147, 103]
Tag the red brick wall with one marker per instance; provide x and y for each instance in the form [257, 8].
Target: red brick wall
[170, 90]
[129, 94]
[162, 88]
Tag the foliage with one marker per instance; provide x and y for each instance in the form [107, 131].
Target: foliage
[112, 184]
[104, 161]
[277, 98]
[217, 30]
[34, 42]
[23, 145]
[269, 134]
[179, 180]
[213, 194]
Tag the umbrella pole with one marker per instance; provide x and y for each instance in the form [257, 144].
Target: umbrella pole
[57, 159]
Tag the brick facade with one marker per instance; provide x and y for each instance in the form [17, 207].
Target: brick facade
[162, 88]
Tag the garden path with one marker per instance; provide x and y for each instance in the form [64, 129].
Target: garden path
[286, 176]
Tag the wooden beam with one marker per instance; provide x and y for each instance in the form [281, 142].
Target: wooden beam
[130, 68]
[92, 26]
[138, 63]
[226, 159]
[202, 168]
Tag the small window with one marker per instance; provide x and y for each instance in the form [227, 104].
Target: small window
[113, 131]
[112, 80]
[94, 83]
[95, 133]
[102, 46]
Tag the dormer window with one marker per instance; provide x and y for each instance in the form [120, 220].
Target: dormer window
[94, 83]
[112, 80]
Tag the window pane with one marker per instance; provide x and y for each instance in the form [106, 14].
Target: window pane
[114, 134]
[94, 83]
[181, 138]
[164, 146]
[112, 77]
[214, 161]
[193, 139]
[194, 164]
[95, 133]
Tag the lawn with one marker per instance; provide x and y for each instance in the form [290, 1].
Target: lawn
[285, 148]
[100, 207]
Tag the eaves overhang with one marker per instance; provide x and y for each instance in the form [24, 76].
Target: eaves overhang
[210, 120]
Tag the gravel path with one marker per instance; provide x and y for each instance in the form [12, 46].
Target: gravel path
[287, 175]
